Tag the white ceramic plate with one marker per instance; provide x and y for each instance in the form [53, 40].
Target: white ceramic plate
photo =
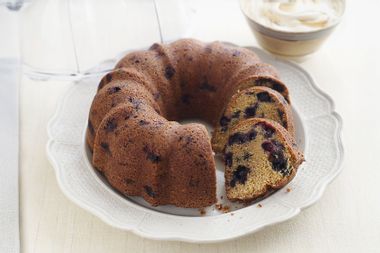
[318, 133]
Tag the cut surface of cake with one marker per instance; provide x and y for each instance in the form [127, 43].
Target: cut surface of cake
[260, 157]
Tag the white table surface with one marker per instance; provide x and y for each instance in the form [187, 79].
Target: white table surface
[346, 219]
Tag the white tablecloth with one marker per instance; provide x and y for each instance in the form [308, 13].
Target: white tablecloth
[9, 170]
[346, 219]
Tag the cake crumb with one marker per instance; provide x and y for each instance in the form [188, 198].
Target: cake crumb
[232, 214]
[288, 189]
[259, 205]
[202, 211]
[223, 209]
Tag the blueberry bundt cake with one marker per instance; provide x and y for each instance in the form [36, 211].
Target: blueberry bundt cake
[254, 102]
[260, 156]
[133, 133]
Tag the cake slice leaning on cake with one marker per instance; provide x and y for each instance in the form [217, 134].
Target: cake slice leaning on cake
[254, 102]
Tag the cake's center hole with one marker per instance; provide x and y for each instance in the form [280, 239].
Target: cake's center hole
[219, 163]
[208, 126]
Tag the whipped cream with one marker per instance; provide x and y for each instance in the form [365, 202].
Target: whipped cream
[296, 15]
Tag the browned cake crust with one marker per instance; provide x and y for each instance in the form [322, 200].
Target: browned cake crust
[253, 102]
[132, 130]
[260, 157]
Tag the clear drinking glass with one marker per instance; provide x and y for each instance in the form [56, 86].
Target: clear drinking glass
[72, 38]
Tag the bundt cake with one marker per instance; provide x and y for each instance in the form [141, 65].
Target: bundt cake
[254, 102]
[133, 133]
[260, 156]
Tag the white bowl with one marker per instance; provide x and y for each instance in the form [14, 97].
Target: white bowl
[288, 43]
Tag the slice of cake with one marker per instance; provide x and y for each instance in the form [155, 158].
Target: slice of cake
[254, 102]
[260, 74]
[260, 157]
